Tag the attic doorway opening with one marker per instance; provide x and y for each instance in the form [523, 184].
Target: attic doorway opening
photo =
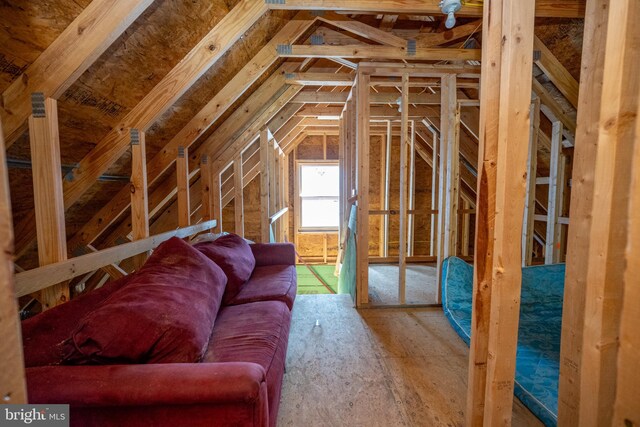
[317, 219]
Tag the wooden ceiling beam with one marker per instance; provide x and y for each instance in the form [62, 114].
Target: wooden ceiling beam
[320, 79]
[557, 73]
[196, 127]
[309, 97]
[448, 36]
[363, 30]
[60, 65]
[544, 8]
[379, 52]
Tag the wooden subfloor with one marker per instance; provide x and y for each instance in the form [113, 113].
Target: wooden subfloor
[376, 367]
[420, 284]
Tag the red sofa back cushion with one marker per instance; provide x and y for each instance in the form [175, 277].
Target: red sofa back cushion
[165, 314]
[233, 254]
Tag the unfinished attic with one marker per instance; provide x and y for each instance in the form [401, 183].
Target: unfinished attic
[313, 213]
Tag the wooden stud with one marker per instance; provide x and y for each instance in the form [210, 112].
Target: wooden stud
[216, 201]
[434, 191]
[603, 167]
[404, 143]
[182, 175]
[138, 186]
[362, 146]
[13, 388]
[264, 185]
[412, 190]
[207, 188]
[238, 195]
[47, 189]
[507, 43]
[387, 183]
[551, 250]
[64, 60]
[530, 201]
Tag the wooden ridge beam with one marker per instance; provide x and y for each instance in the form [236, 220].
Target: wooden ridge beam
[64, 60]
[378, 52]
[196, 127]
[12, 376]
[544, 8]
[211, 48]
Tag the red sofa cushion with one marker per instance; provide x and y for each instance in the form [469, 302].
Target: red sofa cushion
[233, 254]
[43, 334]
[269, 283]
[256, 332]
[163, 315]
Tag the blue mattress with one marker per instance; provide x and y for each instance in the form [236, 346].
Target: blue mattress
[538, 354]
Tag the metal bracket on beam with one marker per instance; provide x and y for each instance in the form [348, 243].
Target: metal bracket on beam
[284, 49]
[37, 105]
[181, 152]
[134, 136]
[537, 55]
[289, 76]
[317, 39]
[275, 1]
[317, 12]
[411, 47]
[204, 159]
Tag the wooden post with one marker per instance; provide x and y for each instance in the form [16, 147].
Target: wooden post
[530, 201]
[466, 224]
[47, 191]
[594, 45]
[551, 249]
[139, 201]
[264, 185]
[362, 178]
[182, 173]
[238, 195]
[604, 168]
[206, 188]
[12, 383]
[507, 43]
[412, 190]
[285, 179]
[434, 193]
[449, 159]
[387, 183]
[216, 201]
[404, 142]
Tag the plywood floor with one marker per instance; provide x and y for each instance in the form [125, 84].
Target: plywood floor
[420, 284]
[376, 367]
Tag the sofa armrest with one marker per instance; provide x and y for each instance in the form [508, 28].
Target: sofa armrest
[274, 253]
[146, 385]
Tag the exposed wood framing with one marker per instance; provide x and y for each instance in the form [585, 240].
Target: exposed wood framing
[507, 42]
[604, 167]
[12, 379]
[47, 189]
[530, 201]
[60, 65]
[211, 48]
[264, 185]
[379, 52]
[544, 8]
[362, 169]
[556, 179]
[33, 280]
[404, 142]
[556, 72]
[206, 177]
[238, 195]
[139, 199]
[589, 118]
[182, 184]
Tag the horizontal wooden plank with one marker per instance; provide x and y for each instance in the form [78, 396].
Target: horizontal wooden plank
[39, 278]
[544, 8]
[378, 52]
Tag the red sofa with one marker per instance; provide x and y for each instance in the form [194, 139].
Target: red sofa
[237, 381]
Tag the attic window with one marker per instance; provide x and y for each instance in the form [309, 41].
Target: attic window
[319, 196]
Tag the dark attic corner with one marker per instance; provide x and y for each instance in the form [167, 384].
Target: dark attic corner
[319, 212]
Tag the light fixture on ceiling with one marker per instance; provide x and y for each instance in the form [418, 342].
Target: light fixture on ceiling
[449, 8]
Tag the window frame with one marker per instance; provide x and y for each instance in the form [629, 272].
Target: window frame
[299, 197]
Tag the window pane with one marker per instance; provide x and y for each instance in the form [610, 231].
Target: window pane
[320, 213]
[319, 180]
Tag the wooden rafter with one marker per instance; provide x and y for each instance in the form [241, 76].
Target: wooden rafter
[60, 65]
[379, 52]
